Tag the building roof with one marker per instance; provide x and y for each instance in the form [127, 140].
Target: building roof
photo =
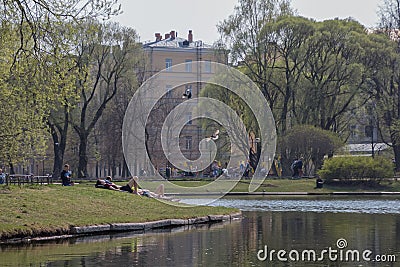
[365, 148]
[177, 42]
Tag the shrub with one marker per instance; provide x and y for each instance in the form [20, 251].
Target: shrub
[356, 168]
[309, 142]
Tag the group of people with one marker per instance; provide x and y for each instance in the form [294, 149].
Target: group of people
[131, 187]
[216, 169]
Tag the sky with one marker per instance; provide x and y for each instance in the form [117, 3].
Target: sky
[150, 16]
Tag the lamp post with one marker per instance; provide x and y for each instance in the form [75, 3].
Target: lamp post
[256, 141]
[372, 123]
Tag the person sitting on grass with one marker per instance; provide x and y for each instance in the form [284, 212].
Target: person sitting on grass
[66, 176]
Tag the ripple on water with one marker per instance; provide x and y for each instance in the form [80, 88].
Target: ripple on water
[368, 206]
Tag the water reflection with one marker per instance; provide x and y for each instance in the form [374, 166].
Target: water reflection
[343, 204]
[230, 244]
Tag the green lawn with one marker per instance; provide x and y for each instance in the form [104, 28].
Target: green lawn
[32, 210]
[299, 185]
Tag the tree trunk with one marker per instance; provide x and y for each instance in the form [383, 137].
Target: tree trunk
[58, 161]
[125, 169]
[59, 134]
[113, 168]
[12, 171]
[83, 159]
[59, 144]
[396, 150]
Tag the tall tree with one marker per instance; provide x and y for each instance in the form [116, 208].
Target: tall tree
[249, 41]
[334, 74]
[31, 56]
[60, 42]
[291, 41]
[105, 59]
[108, 133]
[389, 86]
[27, 93]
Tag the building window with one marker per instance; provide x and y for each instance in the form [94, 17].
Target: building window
[189, 118]
[353, 129]
[168, 63]
[188, 65]
[207, 66]
[369, 131]
[188, 143]
[168, 89]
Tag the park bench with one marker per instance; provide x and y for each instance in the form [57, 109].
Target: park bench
[28, 179]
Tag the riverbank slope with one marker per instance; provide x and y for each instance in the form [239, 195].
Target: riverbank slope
[52, 210]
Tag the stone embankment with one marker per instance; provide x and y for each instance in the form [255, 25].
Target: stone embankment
[127, 227]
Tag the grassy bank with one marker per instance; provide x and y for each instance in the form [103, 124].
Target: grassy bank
[34, 210]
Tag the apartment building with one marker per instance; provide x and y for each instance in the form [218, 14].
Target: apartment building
[177, 56]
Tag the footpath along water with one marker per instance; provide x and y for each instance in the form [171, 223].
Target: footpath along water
[287, 224]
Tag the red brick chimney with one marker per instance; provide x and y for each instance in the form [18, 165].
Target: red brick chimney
[190, 36]
[167, 36]
[158, 36]
[172, 33]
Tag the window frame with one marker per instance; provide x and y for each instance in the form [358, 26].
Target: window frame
[188, 65]
[168, 64]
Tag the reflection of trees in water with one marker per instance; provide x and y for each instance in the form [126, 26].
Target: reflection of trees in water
[227, 244]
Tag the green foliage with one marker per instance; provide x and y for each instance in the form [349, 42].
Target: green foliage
[356, 168]
[31, 85]
[309, 142]
[36, 69]
[107, 60]
[24, 101]
[32, 18]
[310, 72]
[333, 74]
[243, 111]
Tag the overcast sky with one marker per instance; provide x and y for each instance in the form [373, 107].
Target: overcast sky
[150, 16]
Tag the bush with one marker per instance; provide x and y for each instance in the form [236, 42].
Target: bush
[311, 143]
[356, 168]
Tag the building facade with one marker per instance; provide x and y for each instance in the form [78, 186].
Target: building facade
[177, 57]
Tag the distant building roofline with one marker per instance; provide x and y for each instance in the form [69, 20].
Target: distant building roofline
[172, 40]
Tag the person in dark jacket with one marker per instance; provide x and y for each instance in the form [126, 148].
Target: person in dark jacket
[66, 176]
[297, 168]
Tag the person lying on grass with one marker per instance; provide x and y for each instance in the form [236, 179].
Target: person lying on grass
[107, 184]
[131, 187]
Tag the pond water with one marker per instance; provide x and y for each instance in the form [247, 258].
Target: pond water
[292, 225]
